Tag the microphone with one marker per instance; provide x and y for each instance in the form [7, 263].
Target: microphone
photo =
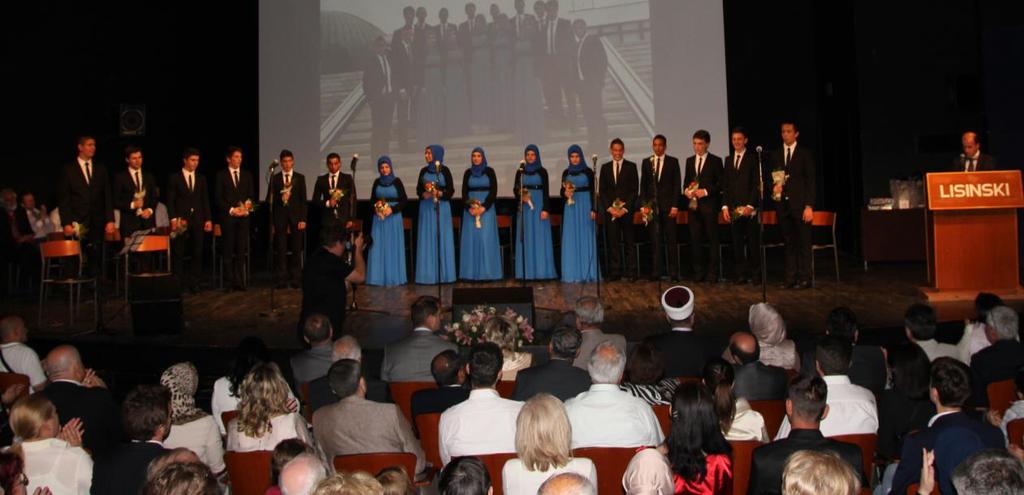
[274, 164]
[593, 158]
[352, 164]
[522, 164]
[759, 149]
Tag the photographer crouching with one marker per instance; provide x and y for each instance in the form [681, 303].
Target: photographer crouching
[328, 272]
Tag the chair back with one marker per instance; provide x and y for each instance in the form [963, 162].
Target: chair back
[769, 217]
[682, 217]
[504, 221]
[664, 414]
[772, 411]
[1001, 394]
[742, 456]
[868, 443]
[227, 416]
[374, 463]
[494, 464]
[248, 472]
[60, 249]
[8, 380]
[430, 439]
[401, 393]
[505, 388]
[153, 244]
[611, 463]
[824, 219]
[1015, 432]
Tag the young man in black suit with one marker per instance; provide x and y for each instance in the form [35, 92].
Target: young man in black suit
[146, 414]
[233, 195]
[740, 194]
[557, 78]
[404, 81]
[450, 374]
[188, 200]
[381, 88]
[589, 69]
[135, 194]
[288, 195]
[794, 204]
[335, 215]
[618, 185]
[972, 159]
[702, 188]
[558, 376]
[659, 195]
[84, 197]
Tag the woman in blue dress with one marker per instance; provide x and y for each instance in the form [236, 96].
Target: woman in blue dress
[479, 249]
[434, 201]
[579, 256]
[386, 264]
[535, 256]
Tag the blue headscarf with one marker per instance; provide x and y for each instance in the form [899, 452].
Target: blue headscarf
[438, 151]
[575, 169]
[478, 170]
[385, 180]
[535, 166]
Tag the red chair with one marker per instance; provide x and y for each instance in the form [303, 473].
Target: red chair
[868, 443]
[772, 411]
[227, 416]
[742, 456]
[1001, 394]
[1015, 432]
[912, 489]
[494, 464]
[505, 388]
[8, 380]
[401, 393]
[611, 463]
[664, 414]
[428, 425]
[248, 472]
[374, 463]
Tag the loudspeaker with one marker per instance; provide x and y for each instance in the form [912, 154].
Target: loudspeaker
[156, 304]
[519, 299]
[131, 120]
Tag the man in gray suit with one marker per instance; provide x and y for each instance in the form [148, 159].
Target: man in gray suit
[313, 363]
[408, 360]
[589, 316]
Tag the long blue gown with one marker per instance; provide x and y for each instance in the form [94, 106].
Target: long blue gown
[427, 235]
[579, 262]
[537, 259]
[479, 248]
[386, 263]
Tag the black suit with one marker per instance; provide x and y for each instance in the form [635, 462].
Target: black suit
[740, 188]
[437, 400]
[758, 381]
[193, 206]
[558, 51]
[88, 203]
[344, 211]
[123, 470]
[909, 469]
[798, 193]
[320, 393]
[125, 189]
[101, 418]
[898, 415]
[663, 193]
[999, 361]
[380, 86]
[704, 220]
[624, 189]
[589, 73]
[234, 230]
[682, 352]
[770, 459]
[404, 64]
[984, 163]
[287, 236]
[323, 288]
[557, 377]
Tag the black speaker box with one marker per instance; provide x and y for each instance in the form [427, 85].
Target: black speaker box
[156, 304]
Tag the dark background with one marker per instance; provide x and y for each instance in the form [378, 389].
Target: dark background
[880, 89]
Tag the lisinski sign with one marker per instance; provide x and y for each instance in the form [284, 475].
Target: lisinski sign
[971, 190]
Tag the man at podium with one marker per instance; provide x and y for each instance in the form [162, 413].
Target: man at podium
[972, 159]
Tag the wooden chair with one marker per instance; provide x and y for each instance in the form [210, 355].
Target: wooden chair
[218, 263]
[868, 443]
[401, 393]
[149, 244]
[8, 380]
[52, 252]
[227, 416]
[772, 411]
[248, 472]
[505, 388]
[611, 463]
[742, 456]
[664, 414]
[428, 426]
[1015, 432]
[912, 489]
[374, 463]
[825, 219]
[494, 464]
[1001, 394]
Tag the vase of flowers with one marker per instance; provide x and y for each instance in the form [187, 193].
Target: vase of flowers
[469, 329]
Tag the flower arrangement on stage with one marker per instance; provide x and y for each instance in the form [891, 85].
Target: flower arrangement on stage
[779, 178]
[691, 192]
[470, 330]
[381, 208]
[179, 228]
[79, 230]
[570, 188]
[139, 197]
[647, 212]
[474, 204]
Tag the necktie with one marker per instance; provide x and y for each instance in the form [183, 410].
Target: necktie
[739, 158]
[138, 181]
[88, 173]
[517, 25]
[700, 163]
[333, 183]
[659, 168]
[789, 154]
[236, 179]
[551, 37]
[190, 188]
[970, 165]
[287, 179]
[615, 176]
[387, 73]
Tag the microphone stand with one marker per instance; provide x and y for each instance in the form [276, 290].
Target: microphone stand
[272, 311]
[593, 206]
[521, 245]
[760, 226]
[437, 217]
[352, 214]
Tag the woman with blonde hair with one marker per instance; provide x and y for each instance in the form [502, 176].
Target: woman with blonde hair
[395, 481]
[191, 427]
[503, 332]
[53, 455]
[264, 417]
[354, 483]
[770, 330]
[809, 472]
[543, 444]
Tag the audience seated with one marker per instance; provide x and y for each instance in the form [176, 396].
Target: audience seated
[146, 413]
[989, 472]
[589, 313]
[974, 338]
[754, 379]
[805, 408]
[347, 347]
[250, 352]
[408, 360]
[191, 427]
[1016, 410]
[355, 483]
[312, 363]
[867, 362]
[501, 331]
[12, 476]
[770, 330]
[53, 455]
[645, 376]
[283, 453]
[354, 425]
[485, 423]
[851, 408]
[450, 375]
[77, 392]
[698, 453]
[905, 407]
[182, 478]
[567, 484]
[395, 481]
[605, 416]
[15, 356]
[264, 413]
[179, 455]
[543, 444]
[920, 323]
[738, 420]
[810, 472]
[648, 473]
[302, 475]
[1002, 359]
[558, 376]
[465, 476]
[682, 352]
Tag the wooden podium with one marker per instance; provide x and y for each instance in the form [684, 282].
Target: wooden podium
[972, 234]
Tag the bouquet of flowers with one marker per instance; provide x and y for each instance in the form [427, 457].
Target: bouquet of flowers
[737, 213]
[691, 192]
[470, 329]
[473, 204]
[570, 188]
[247, 205]
[431, 188]
[526, 198]
[180, 228]
[647, 212]
[286, 194]
[139, 196]
[79, 230]
[336, 195]
[778, 179]
[381, 208]
[618, 205]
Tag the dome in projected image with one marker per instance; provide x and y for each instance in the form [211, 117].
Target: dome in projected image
[344, 41]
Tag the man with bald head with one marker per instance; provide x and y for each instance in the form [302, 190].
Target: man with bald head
[78, 393]
[754, 379]
[567, 484]
[301, 474]
[972, 159]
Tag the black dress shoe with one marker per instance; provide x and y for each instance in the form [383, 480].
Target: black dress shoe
[802, 285]
[631, 278]
[612, 278]
[653, 278]
[787, 285]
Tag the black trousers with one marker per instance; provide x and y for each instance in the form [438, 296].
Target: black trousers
[593, 113]
[614, 231]
[664, 229]
[404, 114]
[288, 238]
[235, 237]
[704, 224]
[191, 244]
[797, 236]
[382, 112]
[746, 246]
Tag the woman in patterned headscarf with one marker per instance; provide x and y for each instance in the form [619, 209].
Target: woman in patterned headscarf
[191, 427]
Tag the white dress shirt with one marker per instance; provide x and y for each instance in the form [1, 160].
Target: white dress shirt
[851, 410]
[87, 174]
[283, 427]
[747, 424]
[201, 436]
[605, 416]
[788, 150]
[485, 423]
[516, 479]
[935, 349]
[24, 360]
[41, 224]
[54, 464]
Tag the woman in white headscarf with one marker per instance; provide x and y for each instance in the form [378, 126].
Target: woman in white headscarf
[767, 326]
[191, 427]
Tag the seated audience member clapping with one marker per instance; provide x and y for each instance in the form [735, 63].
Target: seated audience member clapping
[53, 455]
[265, 413]
[818, 473]
[905, 407]
[191, 427]
[450, 376]
[485, 423]
[304, 475]
[645, 376]
[558, 376]
[283, 453]
[182, 478]
[408, 360]
[739, 421]
[567, 484]
[543, 443]
[754, 379]
[648, 473]
[146, 415]
[465, 476]
[77, 392]
[769, 328]
[12, 476]
[605, 416]
[989, 472]
[920, 324]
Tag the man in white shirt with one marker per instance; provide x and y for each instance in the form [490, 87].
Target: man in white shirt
[15, 356]
[606, 416]
[484, 423]
[851, 408]
[919, 322]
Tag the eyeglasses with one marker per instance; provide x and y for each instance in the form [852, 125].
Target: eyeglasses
[23, 479]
